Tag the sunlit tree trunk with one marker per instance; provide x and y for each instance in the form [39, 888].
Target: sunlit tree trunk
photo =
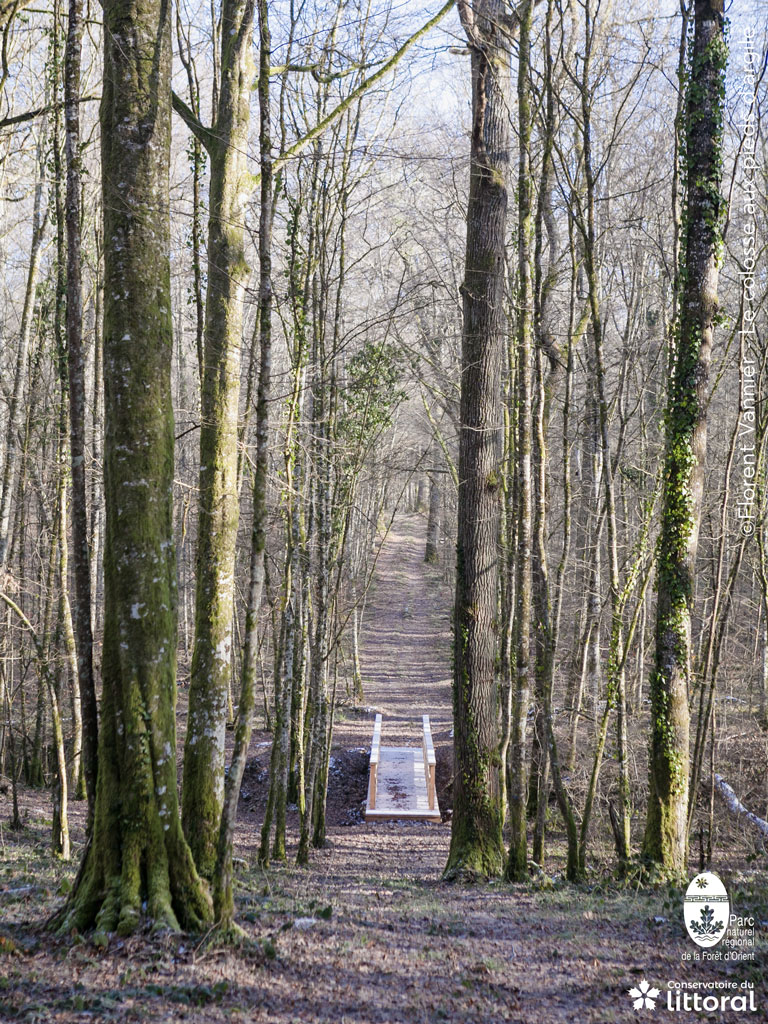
[203, 786]
[223, 887]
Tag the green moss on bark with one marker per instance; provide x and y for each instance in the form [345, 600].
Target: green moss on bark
[211, 670]
[137, 856]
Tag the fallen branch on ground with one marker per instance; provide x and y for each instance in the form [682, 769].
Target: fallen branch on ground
[735, 805]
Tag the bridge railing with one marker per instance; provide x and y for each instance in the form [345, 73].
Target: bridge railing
[374, 763]
[429, 760]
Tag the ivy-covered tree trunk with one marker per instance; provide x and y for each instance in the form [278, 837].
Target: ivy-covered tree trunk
[203, 789]
[138, 860]
[476, 840]
[666, 832]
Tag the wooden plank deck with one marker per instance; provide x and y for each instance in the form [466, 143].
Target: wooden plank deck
[398, 787]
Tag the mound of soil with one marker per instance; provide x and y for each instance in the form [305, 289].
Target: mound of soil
[347, 786]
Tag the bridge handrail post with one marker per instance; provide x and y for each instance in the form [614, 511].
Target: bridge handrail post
[374, 763]
[429, 760]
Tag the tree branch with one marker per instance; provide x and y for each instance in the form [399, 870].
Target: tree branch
[204, 135]
[312, 69]
[346, 103]
[10, 9]
[30, 115]
[27, 625]
[735, 806]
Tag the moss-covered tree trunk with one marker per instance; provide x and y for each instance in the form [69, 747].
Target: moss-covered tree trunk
[138, 860]
[476, 841]
[203, 789]
[665, 843]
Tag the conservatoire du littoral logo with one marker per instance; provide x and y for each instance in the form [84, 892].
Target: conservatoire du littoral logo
[711, 997]
[644, 997]
[706, 909]
[708, 996]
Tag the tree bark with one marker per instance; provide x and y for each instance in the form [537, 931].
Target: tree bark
[665, 844]
[517, 865]
[76, 382]
[203, 788]
[476, 841]
[137, 857]
[223, 890]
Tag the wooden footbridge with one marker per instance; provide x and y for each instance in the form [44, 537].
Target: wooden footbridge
[401, 780]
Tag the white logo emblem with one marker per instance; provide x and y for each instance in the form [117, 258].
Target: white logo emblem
[644, 997]
[706, 909]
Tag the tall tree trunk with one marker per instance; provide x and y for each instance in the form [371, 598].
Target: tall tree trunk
[318, 668]
[517, 865]
[76, 383]
[665, 843]
[210, 678]
[476, 841]
[97, 445]
[546, 621]
[64, 631]
[138, 857]
[615, 689]
[223, 889]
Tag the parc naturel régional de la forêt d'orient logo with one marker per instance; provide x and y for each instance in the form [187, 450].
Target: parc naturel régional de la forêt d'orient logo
[706, 909]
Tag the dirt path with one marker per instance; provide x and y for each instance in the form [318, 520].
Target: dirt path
[405, 649]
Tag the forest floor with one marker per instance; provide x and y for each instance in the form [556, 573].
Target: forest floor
[370, 933]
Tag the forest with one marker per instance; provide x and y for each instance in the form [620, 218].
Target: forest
[383, 510]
